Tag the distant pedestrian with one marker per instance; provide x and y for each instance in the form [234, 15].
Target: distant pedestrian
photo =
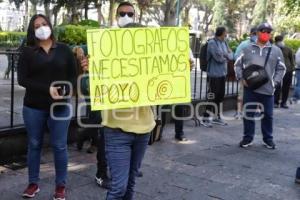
[44, 61]
[218, 55]
[260, 55]
[296, 95]
[93, 131]
[244, 44]
[283, 89]
[178, 113]
[89, 134]
[297, 179]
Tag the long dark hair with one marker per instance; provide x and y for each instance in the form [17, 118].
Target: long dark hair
[31, 39]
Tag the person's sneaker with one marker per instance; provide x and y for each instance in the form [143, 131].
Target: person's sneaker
[181, 138]
[103, 182]
[276, 105]
[206, 123]
[60, 193]
[91, 149]
[284, 106]
[269, 144]
[31, 190]
[140, 174]
[258, 115]
[79, 144]
[297, 179]
[238, 115]
[219, 121]
[245, 143]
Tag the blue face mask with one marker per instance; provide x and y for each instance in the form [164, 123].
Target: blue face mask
[253, 38]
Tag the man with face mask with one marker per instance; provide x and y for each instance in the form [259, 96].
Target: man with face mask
[237, 53]
[125, 14]
[252, 38]
[270, 57]
[289, 61]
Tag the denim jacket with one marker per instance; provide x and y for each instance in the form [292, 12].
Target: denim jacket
[217, 58]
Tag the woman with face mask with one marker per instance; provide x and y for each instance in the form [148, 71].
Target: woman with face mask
[47, 71]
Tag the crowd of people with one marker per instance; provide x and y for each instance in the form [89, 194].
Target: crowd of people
[45, 66]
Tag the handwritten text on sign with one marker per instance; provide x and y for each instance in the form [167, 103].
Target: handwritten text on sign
[138, 67]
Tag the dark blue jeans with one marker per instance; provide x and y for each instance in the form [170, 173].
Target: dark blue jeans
[296, 95]
[36, 122]
[267, 102]
[124, 154]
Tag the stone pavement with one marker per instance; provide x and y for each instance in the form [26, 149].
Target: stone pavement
[210, 166]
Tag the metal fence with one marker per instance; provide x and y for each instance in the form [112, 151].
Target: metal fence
[7, 107]
[12, 94]
[11, 98]
[199, 78]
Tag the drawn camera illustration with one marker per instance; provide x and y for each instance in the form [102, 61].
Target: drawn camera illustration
[166, 86]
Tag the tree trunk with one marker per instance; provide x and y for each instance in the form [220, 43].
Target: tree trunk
[55, 12]
[186, 15]
[74, 15]
[170, 11]
[101, 18]
[86, 9]
[47, 10]
[55, 19]
[141, 15]
[33, 10]
[26, 16]
[111, 12]
[207, 20]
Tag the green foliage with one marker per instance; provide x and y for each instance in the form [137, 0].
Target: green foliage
[260, 12]
[90, 23]
[233, 44]
[71, 34]
[219, 14]
[11, 39]
[294, 44]
[292, 5]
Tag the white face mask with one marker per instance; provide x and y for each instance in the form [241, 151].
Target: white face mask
[122, 21]
[43, 32]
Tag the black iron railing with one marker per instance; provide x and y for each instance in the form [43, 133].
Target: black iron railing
[12, 58]
[199, 85]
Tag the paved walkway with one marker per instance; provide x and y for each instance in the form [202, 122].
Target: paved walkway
[210, 166]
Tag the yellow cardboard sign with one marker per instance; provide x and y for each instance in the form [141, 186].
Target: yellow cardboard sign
[131, 67]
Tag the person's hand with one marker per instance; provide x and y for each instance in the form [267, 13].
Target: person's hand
[54, 93]
[245, 83]
[192, 64]
[84, 63]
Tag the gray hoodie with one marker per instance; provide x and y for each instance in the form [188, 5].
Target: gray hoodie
[275, 67]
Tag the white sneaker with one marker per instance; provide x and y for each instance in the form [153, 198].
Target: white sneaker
[219, 121]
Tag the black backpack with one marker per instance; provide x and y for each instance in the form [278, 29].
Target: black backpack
[203, 56]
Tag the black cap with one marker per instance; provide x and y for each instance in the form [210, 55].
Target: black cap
[264, 26]
[253, 30]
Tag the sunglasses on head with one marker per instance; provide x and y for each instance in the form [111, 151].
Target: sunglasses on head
[265, 31]
[129, 14]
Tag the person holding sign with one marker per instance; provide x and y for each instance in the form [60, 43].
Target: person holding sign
[126, 132]
[178, 113]
[47, 71]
